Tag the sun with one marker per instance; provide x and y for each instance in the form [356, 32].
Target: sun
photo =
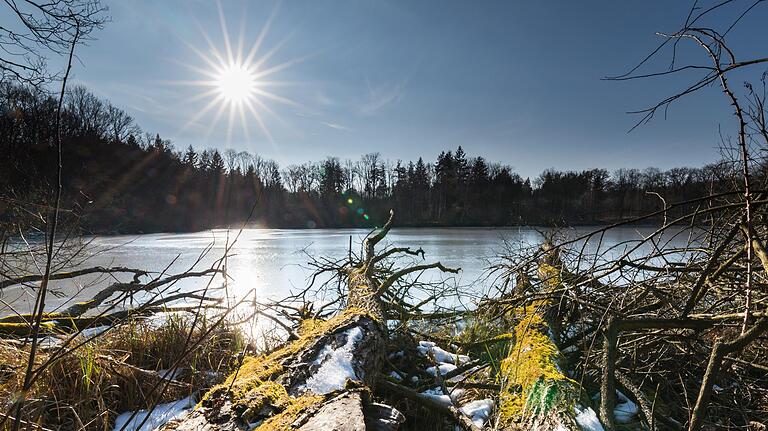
[236, 83]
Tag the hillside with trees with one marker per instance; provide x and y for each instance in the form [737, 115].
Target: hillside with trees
[124, 179]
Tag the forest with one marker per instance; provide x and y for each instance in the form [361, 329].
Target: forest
[125, 180]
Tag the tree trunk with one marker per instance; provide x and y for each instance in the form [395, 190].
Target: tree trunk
[320, 381]
[535, 393]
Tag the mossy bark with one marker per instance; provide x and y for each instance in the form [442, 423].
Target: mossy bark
[268, 392]
[535, 392]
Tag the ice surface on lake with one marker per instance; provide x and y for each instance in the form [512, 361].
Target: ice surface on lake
[96, 330]
[456, 393]
[161, 414]
[170, 374]
[335, 365]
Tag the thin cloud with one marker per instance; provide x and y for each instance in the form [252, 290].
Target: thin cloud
[336, 126]
[381, 96]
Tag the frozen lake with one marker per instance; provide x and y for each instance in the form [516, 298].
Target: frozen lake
[273, 261]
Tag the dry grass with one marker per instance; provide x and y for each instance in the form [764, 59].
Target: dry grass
[116, 372]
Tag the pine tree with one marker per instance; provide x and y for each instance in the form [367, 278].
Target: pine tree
[217, 163]
[190, 157]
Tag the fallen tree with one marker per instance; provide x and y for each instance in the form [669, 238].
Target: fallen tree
[325, 378]
[536, 393]
[77, 316]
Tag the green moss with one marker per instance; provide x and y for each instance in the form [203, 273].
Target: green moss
[532, 382]
[24, 329]
[297, 407]
[255, 385]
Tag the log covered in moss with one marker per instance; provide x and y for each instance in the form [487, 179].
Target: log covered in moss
[290, 388]
[536, 394]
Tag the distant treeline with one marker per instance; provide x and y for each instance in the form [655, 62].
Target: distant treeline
[121, 179]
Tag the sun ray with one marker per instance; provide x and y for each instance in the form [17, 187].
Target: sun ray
[225, 34]
[215, 120]
[212, 64]
[212, 104]
[243, 122]
[200, 96]
[260, 39]
[263, 107]
[214, 50]
[240, 37]
[191, 82]
[231, 122]
[263, 126]
[233, 79]
[275, 97]
[212, 73]
[265, 58]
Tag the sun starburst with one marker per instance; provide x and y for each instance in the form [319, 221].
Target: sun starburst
[236, 82]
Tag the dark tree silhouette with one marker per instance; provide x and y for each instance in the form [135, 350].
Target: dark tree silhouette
[125, 180]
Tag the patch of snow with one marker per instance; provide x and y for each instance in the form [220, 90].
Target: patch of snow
[437, 390]
[551, 335]
[455, 394]
[92, 332]
[459, 327]
[478, 411]
[399, 354]
[49, 342]
[335, 365]
[625, 410]
[168, 374]
[444, 369]
[441, 355]
[587, 419]
[720, 389]
[161, 414]
[395, 376]
[575, 330]
[414, 379]
[437, 395]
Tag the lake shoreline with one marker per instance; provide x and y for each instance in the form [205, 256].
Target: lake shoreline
[597, 225]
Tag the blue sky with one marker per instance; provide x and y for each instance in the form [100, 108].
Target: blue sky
[517, 82]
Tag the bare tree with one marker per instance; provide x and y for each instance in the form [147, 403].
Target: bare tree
[41, 29]
[120, 123]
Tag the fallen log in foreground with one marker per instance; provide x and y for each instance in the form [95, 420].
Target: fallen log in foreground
[318, 382]
[323, 380]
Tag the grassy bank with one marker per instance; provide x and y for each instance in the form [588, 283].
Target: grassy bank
[88, 380]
